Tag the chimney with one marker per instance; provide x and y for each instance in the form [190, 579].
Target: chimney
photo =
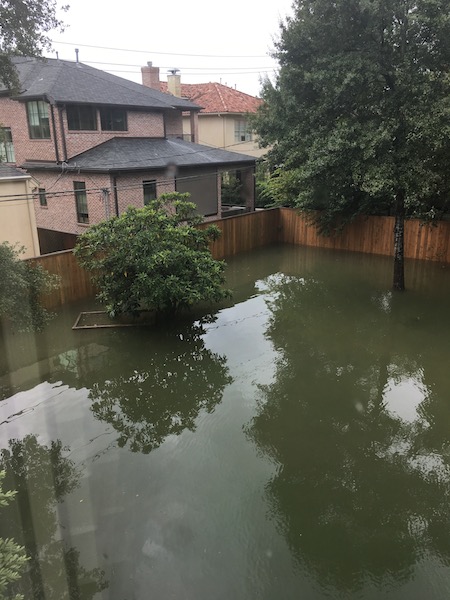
[150, 77]
[174, 83]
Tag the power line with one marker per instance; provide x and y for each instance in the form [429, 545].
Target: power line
[119, 188]
[96, 62]
[219, 72]
[150, 52]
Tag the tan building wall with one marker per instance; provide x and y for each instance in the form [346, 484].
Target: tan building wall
[17, 220]
[218, 130]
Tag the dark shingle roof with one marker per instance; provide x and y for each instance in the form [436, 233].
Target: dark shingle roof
[129, 154]
[64, 81]
[10, 172]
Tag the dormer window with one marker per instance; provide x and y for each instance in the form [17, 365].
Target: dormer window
[113, 119]
[38, 121]
[81, 118]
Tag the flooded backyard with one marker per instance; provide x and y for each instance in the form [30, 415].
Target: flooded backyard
[294, 443]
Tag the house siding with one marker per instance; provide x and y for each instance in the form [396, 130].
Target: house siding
[17, 218]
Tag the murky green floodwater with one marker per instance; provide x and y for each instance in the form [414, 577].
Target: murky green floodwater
[296, 444]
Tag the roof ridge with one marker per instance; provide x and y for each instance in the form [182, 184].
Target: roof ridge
[220, 96]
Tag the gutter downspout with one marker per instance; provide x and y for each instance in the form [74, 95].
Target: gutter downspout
[63, 137]
[116, 197]
[55, 137]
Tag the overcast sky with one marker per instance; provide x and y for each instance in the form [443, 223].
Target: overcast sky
[227, 41]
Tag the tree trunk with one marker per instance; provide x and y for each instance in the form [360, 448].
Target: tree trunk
[399, 235]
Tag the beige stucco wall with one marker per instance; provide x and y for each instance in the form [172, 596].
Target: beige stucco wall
[17, 219]
[218, 131]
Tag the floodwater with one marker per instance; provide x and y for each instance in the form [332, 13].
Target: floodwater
[294, 443]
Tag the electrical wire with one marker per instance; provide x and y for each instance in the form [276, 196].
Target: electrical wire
[161, 53]
[96, 62]
[119, 188]
[257, 72]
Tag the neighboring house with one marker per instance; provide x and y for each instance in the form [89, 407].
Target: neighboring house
[17, 220]
[223, 120]
[97, 143]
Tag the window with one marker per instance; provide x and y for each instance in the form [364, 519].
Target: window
[81, 201]
[241, 131]
[42, 197]
[81, 117]
[38, 123]
[113, 119]
[6, 146]
[149, 188]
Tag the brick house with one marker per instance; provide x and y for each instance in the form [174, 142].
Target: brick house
[97, 143]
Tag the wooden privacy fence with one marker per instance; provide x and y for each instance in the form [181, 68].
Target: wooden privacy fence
[373, 235]
[75, 282]
[245, 232]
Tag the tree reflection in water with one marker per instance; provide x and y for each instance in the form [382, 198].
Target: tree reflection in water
[360, 493]
[42, 476]
[152, 389]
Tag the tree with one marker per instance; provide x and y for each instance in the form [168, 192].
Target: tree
[153, 388]
[359, 114]
[42, 475]
[23, 28]
[12, 556]
[153, 258]
[353, 477]
[22, 287]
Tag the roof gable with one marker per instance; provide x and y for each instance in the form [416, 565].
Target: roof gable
[63, 81]
[218, 98]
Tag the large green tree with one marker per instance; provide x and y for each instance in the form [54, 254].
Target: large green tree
[24, 25]
[153, 258]
[359, 114]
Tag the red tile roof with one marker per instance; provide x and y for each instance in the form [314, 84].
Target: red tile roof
[217, 98]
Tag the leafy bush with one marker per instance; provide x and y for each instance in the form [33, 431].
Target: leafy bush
[153, 258]
[231, 189]
[22, 286]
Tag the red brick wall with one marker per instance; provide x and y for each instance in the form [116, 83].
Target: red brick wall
[130, 190]
[13, 114]
[60, 213]
[174, 123]
[140, 124]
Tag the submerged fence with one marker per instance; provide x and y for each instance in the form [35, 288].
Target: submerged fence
[373, 235]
